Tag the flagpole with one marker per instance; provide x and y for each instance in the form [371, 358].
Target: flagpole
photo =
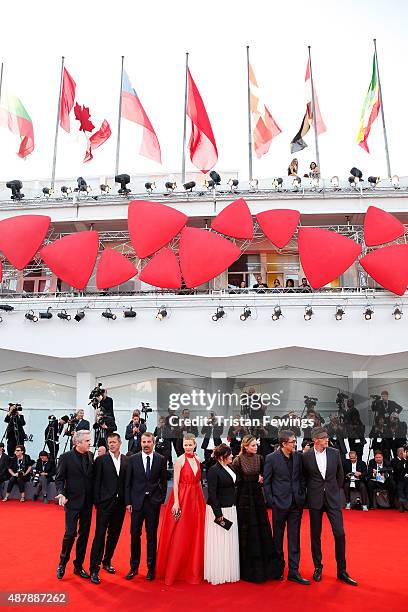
[54, 159]
[249, 121]
[183, 163]
[1, 79]
[387, 154]
[119, 118]
[314, 113]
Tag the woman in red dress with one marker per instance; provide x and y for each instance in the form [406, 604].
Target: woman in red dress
[180, 554]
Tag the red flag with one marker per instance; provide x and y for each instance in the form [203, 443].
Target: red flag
[83, 115]
[203, 149]
[67, 99]
[97, 139]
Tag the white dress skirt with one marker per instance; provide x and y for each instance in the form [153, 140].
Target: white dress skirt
[221, 548]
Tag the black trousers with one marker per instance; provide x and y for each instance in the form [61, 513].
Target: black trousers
[336, 521]
[109, 521]
[373, 485]
[81, 520]
[53, 448]
[290, 518]
[402, 490]
[16, 480]
[149, 515]
[361, 488]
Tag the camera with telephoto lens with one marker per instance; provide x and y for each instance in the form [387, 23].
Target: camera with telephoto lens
[35, 478]
[94, 396]
[52, 418]
[310, 402]
[146, 408]
[14, 409]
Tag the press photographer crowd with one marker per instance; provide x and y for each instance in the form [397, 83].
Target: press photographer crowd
[228, 537]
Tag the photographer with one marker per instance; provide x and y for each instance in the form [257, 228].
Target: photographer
[103, 426]
[43, 473]
[52, 433]
[20, 467]
[106, 403]
[212, 437]
[162, 435]
[379, 477]
[185, 426]
[15, 427]
[379, 437]
[4, 464]
[382, 406]
[235, 435]
[134, 432]
[336, 435]
[355, 472]
[400, 467]
[396, 433]
[355, 434]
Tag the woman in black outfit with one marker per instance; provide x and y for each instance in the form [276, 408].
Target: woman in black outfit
[258, 557]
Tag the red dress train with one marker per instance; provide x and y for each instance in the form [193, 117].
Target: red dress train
[180, 554]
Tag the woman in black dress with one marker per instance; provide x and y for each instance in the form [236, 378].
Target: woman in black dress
[258, 558]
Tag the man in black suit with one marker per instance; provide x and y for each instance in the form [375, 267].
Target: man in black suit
[4, 463]
[73, 483]
[355, 473]
[400, 467]
[379, 476]
[396, 433]
[284, 488]
[15, 433]
[146, 488]
[134, 431]
[324, 477]
[109, 499]
[385, 407]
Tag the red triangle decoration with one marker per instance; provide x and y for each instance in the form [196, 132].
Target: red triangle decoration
[152, 225]
[204, 255]
[21, 237]
[113, 269]
[235, 220]
[381, 227]
[325, 255]
[162, 271]
[72, 258]
[278, 225]
[388, 267]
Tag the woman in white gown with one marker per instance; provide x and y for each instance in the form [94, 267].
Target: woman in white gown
[221, 546]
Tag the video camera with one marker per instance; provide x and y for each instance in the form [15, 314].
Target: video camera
[35, 478]
[310, 401]
[146, 409]
[94, 396]
[15, 408]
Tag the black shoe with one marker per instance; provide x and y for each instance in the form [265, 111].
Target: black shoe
[60, 571]
[131, 574]
[150, 575]
[108, 568]
[81, 572]
[346, 578]
[298, 578]
[95, 578]
[35, 497]
[317, 574]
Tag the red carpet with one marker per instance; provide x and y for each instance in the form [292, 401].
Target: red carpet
[377, 554]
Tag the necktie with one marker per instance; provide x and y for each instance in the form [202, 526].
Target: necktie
[148, 467]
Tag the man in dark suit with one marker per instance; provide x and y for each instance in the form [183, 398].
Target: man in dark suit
[146, 488]
[324, 477]
[400, 467]
[284, 488]
[109, 499]
[355, 473]
[385, 407]
[73, 482]
[134, 431]
[15, 433]
[4, 463]
[379, 476]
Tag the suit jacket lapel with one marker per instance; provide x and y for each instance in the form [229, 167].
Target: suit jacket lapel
[314, 461]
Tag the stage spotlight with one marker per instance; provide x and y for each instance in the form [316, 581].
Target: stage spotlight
[105, 188]
[368, 313]
[395, 181]
[170, 186]
[129, 314]
[244, 315]
[277, 313]
[189, 186]
[123, 180]
[253, 184]
[66, 191]
[308, 313]
[48, 191]
[63, 315]
[373, 180]
[149, 186]
[47, 314]
[397, 313]
[215, 177]
[233, 184]
[297, 181]
[31, 316]
[108, 314]
[6, 307]
[219, 314]
[162, 314]
[83, 185]
[277, 183]
[16, 187]
[209, 183]
[79, 316]
[339, 314]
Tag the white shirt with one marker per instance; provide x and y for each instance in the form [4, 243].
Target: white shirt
[144, 458]
[116, 462]
[354, 467]
[321, 460]
[230, 472]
